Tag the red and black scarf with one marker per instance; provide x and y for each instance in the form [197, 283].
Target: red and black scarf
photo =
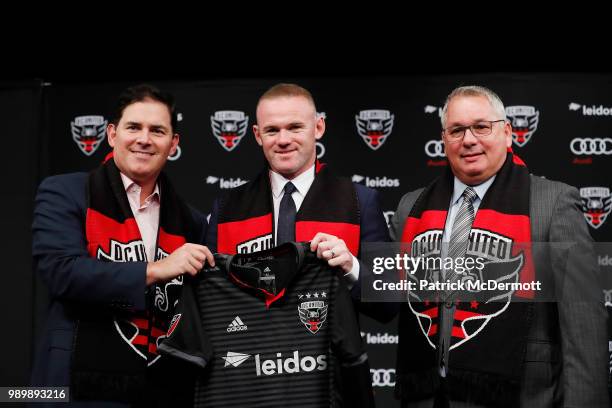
[488, 339]
[114, 346]
[246, 214]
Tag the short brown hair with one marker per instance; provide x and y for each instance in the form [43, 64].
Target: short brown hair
[287, 90]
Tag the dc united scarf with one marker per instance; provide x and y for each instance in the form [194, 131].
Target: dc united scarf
[488, 337]
[113, 346]
[246, 214]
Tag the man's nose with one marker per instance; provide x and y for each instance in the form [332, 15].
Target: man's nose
[284, 137]
[144, 136]
[469, 138]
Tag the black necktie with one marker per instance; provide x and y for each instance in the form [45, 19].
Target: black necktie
[286, 216]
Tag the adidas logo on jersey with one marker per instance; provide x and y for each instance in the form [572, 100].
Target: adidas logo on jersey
[236, 325]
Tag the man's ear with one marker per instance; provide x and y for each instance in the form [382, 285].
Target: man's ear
[319, 127]
[257, 135]
[111, 133]
[175, 142]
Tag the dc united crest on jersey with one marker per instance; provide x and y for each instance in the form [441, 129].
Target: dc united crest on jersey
[313, 313]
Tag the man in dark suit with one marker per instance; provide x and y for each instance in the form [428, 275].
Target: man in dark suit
[527, 354]
[296, 198]
[112, 247]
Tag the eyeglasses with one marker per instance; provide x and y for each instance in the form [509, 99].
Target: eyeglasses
[479, 129]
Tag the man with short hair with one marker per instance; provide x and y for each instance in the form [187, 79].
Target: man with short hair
[510, 349]
[112, 246]
[296, 198]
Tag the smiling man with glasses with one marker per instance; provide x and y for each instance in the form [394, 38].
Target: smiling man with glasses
[475, 155]
[492, 350]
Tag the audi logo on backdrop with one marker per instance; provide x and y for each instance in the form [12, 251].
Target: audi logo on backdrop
[591, 146]
[320, 149]
[383, 377]
[434, 148]
[388, 216]
[176, 154]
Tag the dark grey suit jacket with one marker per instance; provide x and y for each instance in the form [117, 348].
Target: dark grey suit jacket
[566, 362]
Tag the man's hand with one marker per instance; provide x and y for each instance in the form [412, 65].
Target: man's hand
[333, 250]
[189, 258]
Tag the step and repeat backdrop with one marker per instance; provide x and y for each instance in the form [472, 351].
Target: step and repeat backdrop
[382, 132]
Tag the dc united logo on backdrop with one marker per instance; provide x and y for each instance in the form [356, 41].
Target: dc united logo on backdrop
[88, 132]
[596, 205]
[229, 127]
[374, 126]
[524, 120]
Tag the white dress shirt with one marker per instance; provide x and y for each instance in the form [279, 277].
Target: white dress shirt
[302, 184]
[147, 214]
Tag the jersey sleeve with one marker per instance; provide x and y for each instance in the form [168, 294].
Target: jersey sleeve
[186, 339]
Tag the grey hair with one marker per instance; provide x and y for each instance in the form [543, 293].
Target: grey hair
[474, 90]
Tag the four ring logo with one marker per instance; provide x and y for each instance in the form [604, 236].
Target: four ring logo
[595, 146]
[434, 148]
[320, 148]
[176, 154]
[382, 377]
[388, 216]
[608, 298]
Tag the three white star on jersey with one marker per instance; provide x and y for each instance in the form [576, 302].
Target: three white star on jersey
[315, 295]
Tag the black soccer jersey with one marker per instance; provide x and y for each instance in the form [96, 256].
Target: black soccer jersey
[274, 328]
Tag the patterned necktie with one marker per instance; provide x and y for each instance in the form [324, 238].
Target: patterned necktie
[286, 216]
[456, 248]
[461, 227]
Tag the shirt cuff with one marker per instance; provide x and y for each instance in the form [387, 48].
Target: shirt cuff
[352, 276]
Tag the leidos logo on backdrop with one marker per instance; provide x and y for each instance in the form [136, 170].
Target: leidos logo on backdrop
[374, 126]
[376, 182]
[593, 110]
[225, 183]
[596, 205]
[88, 132]
[229, 127]
[433, 109]
[524, 120]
